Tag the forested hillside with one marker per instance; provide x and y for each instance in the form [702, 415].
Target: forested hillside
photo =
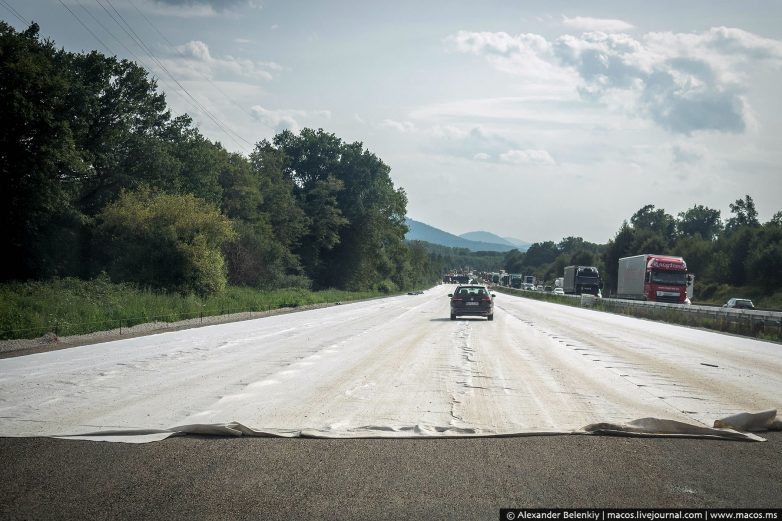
[99, 177]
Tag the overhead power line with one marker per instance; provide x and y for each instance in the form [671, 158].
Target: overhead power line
[125, 26]
[15, 13]
[128, 29]
[108, 49]
[217, 87]
[106, 30]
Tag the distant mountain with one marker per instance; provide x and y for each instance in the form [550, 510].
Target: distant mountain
[419, 231]
[485, 237]
[518, 243]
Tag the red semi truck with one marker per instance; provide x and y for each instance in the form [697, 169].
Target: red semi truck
[659, 278]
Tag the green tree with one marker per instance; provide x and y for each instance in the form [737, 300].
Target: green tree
[655, 221]
[622, 245]
[698, 253]
[356, 216]
[699, 221]
[288, 220]
[164, 241]
[39, 159]
[744, 214]
[764, 261]
[114, 112]
[582, 258]
[541, 253]
[513, 261]
[370, 250]
[776, 220]
[319, 203]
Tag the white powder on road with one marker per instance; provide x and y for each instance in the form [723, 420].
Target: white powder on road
[397, 367]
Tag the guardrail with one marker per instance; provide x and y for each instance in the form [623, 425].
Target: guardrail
[747, 322]
[743, 321]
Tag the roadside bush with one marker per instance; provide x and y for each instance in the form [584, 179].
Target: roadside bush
[387, 287]
[164, 241]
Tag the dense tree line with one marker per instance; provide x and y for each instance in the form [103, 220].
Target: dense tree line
[98, 176]
[446, 259]
[738, 251]
[547, 260]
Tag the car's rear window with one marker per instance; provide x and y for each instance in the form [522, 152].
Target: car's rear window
[471, 290]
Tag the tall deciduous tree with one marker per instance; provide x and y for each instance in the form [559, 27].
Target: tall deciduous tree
[699, 221]
[656, 222]
[39, 158]
[744, 214]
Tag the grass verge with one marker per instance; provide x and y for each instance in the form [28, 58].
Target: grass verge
[72, 306]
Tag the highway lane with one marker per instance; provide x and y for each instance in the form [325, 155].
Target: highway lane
[394, 367]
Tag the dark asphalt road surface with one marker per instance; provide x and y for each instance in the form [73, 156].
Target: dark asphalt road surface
[265, 478]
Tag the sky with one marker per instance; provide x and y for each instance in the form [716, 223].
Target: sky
[530, 119]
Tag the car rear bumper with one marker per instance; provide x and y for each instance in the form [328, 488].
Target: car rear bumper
[480, 312]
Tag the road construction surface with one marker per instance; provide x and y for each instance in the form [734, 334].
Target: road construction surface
[199, 477]
[395, 367]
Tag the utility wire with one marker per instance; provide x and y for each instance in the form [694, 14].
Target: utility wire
[135, 37]
[183, 56]
[15, 13]
[108, 49]
[149, 66]
[105, 29]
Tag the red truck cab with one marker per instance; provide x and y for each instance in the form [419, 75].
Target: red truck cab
[658, 278]
[666, 279]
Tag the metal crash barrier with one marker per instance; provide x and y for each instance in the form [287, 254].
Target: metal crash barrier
[748, 322]
[743, 321]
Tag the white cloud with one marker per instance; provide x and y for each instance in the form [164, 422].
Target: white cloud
[400, 126]
[527, 157]
[286, 119]
[683, 82]
[449, 132]
[582, 23]
[527, 55]
[195, 61]
[471, 142]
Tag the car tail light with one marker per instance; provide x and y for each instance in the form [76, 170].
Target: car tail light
[486, 299]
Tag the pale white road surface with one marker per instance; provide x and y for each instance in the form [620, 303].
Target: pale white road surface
[393, 367]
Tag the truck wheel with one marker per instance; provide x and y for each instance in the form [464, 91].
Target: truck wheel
[453, 317]
[491, 317]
